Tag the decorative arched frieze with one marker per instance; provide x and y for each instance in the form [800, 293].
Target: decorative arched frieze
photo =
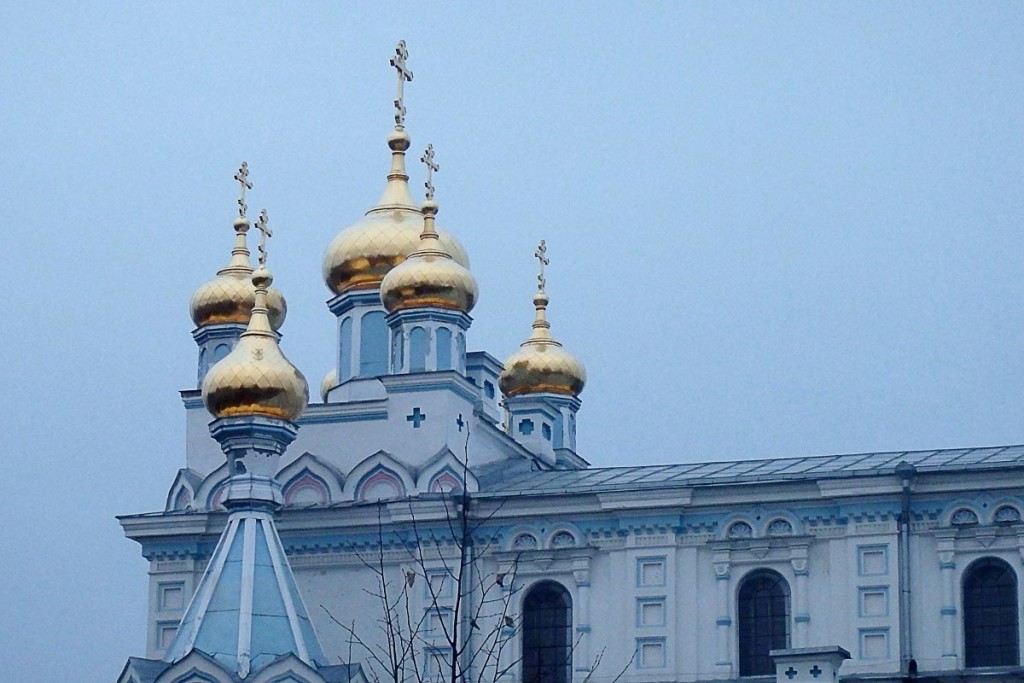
[961, 513]
[182, 493]
[1006, 514]
[739, 529]
[308, 480]
[963, 517]
[562, 539]
[306, 489]
[287, 669]
[210, 492]
[525, 541]
[195, 667]
[779, 527]
[379, 477]
[443, 473]
[564, 536]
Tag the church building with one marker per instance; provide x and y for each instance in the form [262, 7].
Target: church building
[427, 517]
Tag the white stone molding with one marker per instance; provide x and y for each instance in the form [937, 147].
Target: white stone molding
[380, 462]
[181, 497]
[307, 464]
[444, 462]
[581, 618]
[212, 489]
[946, 547]
[723, 623]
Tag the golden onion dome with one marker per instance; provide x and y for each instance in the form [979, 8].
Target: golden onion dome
[230, 296]
[256, 378]
[361, 255]
[430, 276]
[540, 364]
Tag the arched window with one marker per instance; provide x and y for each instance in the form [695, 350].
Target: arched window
[763, 610]
[417, 350]
[460, 352]
[397, 351]
[444, 348]
[220, 352]
[345, 359]
[547, 634]
[990, 614]
[373, 345]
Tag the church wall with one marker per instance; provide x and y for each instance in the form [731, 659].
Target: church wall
[840, 562]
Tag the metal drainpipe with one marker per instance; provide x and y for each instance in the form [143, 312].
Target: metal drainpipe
[906, 472]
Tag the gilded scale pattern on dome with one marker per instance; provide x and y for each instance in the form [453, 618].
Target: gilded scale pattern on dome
[256, 378]
[429, 277]
[361, 255]
[540, 364]
[230, 296]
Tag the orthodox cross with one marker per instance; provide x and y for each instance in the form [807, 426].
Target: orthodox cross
[243, 179]
[398, 61]
[432, 168]
[542, 258]
[263, 226]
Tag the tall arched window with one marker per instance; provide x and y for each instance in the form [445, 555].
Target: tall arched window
[397, 351]
[547, 634]
[417, 350]
[373, 345]
[345, 359]
[990, 614]
[444, 348]
[763, 610]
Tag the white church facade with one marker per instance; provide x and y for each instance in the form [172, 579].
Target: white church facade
[450, 479]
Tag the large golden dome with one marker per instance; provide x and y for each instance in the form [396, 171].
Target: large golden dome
[429, 277]
[362, 254]
[256, 378]
[541, 365]
[230, 296]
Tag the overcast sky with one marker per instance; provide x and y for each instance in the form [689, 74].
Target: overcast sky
[774, 229]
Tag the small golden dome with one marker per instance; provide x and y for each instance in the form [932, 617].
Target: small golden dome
[541, 365]
[361, 255]
[230, 296]
[256, 378]
[330, 381]
[430, 276]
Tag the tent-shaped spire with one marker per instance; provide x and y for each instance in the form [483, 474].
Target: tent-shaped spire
[247, 610]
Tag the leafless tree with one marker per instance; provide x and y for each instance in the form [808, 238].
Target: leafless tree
[465, 631]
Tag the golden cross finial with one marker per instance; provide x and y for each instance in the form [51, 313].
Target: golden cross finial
[432, 168]
[398, 61]
[243, 179]
[542, 258]
[263, 226]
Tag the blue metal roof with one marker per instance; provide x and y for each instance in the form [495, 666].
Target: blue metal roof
[247, 610]
[766, 470]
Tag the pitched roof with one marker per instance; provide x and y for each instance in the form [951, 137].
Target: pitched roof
[247, 610]
[599, 479]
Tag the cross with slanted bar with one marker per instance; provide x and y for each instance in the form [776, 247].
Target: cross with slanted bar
[542, 258]
[263, 226]
[432, 168]
[398, 61]
[243, 179]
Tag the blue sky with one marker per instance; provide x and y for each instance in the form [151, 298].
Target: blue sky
[775, 229]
